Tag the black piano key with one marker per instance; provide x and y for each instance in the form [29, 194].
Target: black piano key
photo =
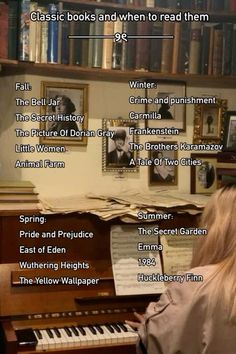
[121, 325]
[38, 333]
[74, 330]
[109, 327]
[117, 328]
[99, 329]
[92, 329]
[56, 331]
[49, 332]
[81, 330]
[68, 331]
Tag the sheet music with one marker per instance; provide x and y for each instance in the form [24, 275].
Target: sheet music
[177, 253]
[127, 261]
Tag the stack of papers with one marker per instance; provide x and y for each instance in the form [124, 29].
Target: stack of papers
[127, 205]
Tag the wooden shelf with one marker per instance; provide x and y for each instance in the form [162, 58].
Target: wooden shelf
[13, 67]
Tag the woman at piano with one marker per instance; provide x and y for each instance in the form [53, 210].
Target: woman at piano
[195, 317]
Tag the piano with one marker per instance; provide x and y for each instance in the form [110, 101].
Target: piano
[65, 319]
[40, 315]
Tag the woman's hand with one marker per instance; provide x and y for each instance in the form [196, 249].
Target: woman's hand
[136, 325]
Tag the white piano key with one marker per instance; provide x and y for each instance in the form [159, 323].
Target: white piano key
[132, 334]
[50, 341]
[93, 340]
[70, 342]
[76, 338]
[109, 337]
[83, 338]
[118, 333]
[40, 344]
[58, 340]
[44, 342]
[113, 335]
[99, 336]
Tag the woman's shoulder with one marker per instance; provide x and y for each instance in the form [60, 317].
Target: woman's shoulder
[188, 289]
[192, 286]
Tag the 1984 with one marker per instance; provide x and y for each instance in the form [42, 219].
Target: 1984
[149, 262]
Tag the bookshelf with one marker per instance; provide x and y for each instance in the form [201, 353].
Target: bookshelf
[14, 67]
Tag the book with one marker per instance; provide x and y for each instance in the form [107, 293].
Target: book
[205, 49]
[71, 42]
[65, 42]
[195, 48]
[18, 197]
[91, 45]
[52, 36]
[117, 46]
[232, 5]
[167, 48]
[38, 39]
[233, 61]
[107, 45]
[155, 47]
[13, 29]
[77, 55]
[217, 51]
[210, 60]
[32, 33]
[12, 206]
[184, 46]
[177, 26]
[129, 47]
[3, 30]
[44, 38]
[217, 5]
[84, 47]
[16, 184]
[24, 30]
[16, 187]
[142, 46]
[98, 43]
[161, 3]
[199, 5]
[150, 3]
[172, 4]
[227, 48]
[59, 38]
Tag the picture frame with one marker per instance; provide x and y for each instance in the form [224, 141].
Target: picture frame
[204, 176]
[117, 146]
[159, 98]
[229, 136]
[160, 173]
[69, 101]
[209, 122]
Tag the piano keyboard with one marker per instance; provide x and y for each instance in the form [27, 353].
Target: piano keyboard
[80, 336]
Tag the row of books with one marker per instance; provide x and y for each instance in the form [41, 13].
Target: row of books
[197, 5]
[197, 48]
[18, 195]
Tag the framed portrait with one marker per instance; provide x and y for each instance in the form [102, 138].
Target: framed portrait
[118, 153]
[66, 112]
[164, 168]
[162, 100]
[209, 122]
[204, 176]
[229, 136]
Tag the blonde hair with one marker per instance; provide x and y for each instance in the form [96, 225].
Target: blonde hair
[219, 247]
